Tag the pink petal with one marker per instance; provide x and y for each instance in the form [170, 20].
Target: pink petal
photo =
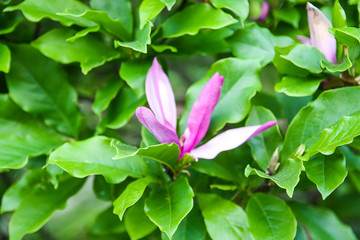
[199, 117]
[227, 140]
[265, 7]
[319, 33]
[304, 40]
[160, 96]
[160, 132]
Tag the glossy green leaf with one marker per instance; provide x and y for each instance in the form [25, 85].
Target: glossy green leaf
[169, 3]
[94, 156]
[349, 36]
[321, 223]
[239, 7]
[88, 51]
[287, 177]
[104, 96]
[327, 172]
[342, 67]
[241, 82]
[256, 42]
[163, 153]
[320, 121]
[148, 10]
[289, 15]
[36, 10]
[223, 218]
[30, 73]
[270, 218]
[5, 58]
[338, 15]
[163, 48]
[137, 224]
[117, 9]
[134, 73]
[142, 39]
[22, 136]
[83, 33]
[37, 207]
[9, 21]
[193, 18]
[167, 206]
[264, 144]
[121, 109]
[132, 193]
[298, 86]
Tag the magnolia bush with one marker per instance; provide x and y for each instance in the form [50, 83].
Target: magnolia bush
[179, 119]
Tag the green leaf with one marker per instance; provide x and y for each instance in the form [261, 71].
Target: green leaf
[298, 86]
[168, 206]
[163, 153]
[36, 10]
[327, 172]
[137, 224]
[130, 196]
[121, 109]
[117, 9]
[38, 205]
[102, 189]
[106, 223]
[134, 73]
[321, 223]
[319, 122]
[88, 51]
[239, 7]
[257, 42]
[223, 219]
[169, 3]
[30, 73]
[270, 218]
[193, 18]
[94, 157]
[148, 10]
[142, 39]
[264, 144]
[289, 15]
[338, 15]
[83, 33]
[241, 82]
[9, 22]
[349, 36]
[163, 48]
[287, 177]
[5, 57]
[342, 67]
[104, 96]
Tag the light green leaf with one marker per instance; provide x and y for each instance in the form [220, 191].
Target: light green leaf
[9, 21]
[223, 219]
[342, 67]
[193, 18]
[163, 48]
[257, 42]
[168, 206]
[239, 7]
[132, 193]
[163, 153]
[241, 82]
[321, 223]
[36, 10]
[117, 9]
[134, 73]
[349, 36]
[264, 144]
[5, 57]
[30, 73]
[104, 96]
[94, 157]
[142, 39]
[327, 172]
[22, 136]
[37, 207]
[270, 218]
[338, 15]
[88, 51]
[298, 86]
[287, 177]
[289, 15]
[148, 10]
[169, 3]
[83, 33]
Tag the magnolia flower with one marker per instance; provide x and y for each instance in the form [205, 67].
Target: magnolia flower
[162, 125]
[265, 8]
[319, 33]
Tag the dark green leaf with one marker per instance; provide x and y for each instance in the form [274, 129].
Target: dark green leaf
[9, 21]
[168, 206]
[298, 86]
[270, 218]
[142, 39]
